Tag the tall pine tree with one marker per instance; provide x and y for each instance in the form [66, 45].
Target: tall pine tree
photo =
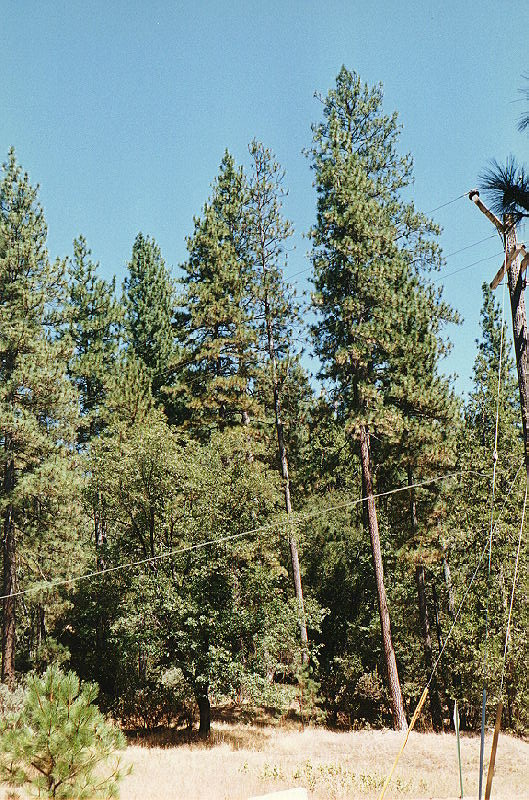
[38, 407]
[363, 288]
[275, 313]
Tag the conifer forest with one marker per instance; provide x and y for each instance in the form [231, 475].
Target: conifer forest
[193, 517]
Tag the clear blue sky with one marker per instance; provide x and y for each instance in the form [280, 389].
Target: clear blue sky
[122, 110]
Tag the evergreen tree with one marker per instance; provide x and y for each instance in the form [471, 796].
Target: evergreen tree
[427, 442]
[481, 408]
[466, 524]
[363, 286]
[268, 235]
[38, 408]
[149, 299]
[94, 327]
[207, 609]
[216, 301]
[58, 739]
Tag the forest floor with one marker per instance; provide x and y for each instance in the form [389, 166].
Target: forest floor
[243, 761]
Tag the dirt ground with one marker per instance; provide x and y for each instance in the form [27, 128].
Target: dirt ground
[244, 760]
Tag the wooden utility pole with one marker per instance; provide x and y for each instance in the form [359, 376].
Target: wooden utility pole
[515, 263]
[515, 269]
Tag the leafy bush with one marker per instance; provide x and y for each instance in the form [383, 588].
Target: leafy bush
[163, 703]
[55, 742]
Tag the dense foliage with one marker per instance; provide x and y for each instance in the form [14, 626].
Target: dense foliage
[171, 442]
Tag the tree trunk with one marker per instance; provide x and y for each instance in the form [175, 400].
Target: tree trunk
[8, 553]
[435, 700]
[204, 709]
[41, 626]
[420, 580]
[397, 704]
[449, 587]
[283, 458]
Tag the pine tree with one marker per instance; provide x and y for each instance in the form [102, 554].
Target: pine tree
[38, 408]
[363, 287]
[466, 528]
[216, 301]
[94, 327]
[268, 235]
[57, 741]
[481, 409]
[149, 300]
[427, 442]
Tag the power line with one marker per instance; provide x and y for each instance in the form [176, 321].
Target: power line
[449, 255]
[53, 584]
[462, 269]
[461, 249]
[515, 578]
[448, 203]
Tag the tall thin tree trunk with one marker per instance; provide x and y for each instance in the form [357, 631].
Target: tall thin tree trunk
[9, 606]
[435, 700]
[420, 580]
[449, 587]
[397, 703]
[283, 458]
[40, 623]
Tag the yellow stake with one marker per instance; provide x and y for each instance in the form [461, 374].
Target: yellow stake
[412, 723]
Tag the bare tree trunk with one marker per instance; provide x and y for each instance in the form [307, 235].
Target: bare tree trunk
[449, 587]
[397, 703]
[40, 623]
[9, 607]
[283, 458]
[420, 580]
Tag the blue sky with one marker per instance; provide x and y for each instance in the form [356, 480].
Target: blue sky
[121, 111]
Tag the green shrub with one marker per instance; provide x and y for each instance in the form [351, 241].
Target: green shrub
[59, 740]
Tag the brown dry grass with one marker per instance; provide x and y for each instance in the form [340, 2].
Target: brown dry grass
[245, 760]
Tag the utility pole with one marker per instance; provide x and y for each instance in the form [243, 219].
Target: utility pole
[515, 269]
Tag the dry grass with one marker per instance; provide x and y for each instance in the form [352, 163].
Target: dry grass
[245, 760]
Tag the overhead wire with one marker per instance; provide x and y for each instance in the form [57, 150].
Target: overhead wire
[288, 278]
[53, 584]
[448, 203]
[462, 269]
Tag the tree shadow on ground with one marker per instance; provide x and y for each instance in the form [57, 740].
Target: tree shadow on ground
[244, 737]
[246, 728]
